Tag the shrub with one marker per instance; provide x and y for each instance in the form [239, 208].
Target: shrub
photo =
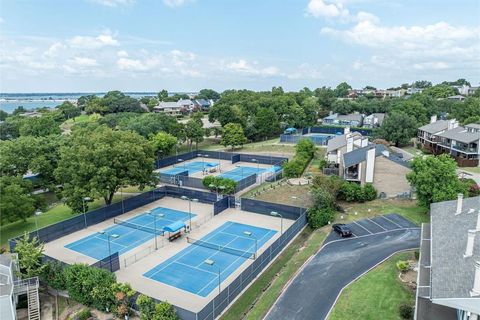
[323, 198]
[306, 147]
[146, 306]
[294, 168]
[83, 314]
[323, 163]
[228, 185]
[90, 286]
[417, 254]
[164, 311]
[370, 192]
[53, 275]
[318, 217]
[471, 186]
[406, 311]
[403, 265]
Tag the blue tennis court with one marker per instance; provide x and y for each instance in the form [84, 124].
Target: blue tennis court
[239, 173]
[96, 244]
[191, 167]
[196, 269]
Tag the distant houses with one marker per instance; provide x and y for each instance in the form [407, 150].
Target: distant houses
[183, 106]
[371, 121]
[446, 136]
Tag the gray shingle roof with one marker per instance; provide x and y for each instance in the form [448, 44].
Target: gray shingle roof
[435, 127]
[452, 274]
[473, 125]
[359, 155]
[350, 117]
[338, 142]
[461, 134]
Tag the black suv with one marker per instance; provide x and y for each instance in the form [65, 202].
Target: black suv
[342, 229]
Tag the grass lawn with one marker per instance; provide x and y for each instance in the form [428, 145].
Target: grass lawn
[55, 214]
[260, 296]
[406, 208]
[273, 192]
[376, 295]
[80, 118]
[411, 149]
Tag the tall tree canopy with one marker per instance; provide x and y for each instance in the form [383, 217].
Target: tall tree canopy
[16, 201]
[398, 128]
[435, 179]
[233, 135]
[97, 163]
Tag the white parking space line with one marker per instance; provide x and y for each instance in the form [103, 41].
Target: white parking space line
[377, 224]
[363, 227]
[392, 221]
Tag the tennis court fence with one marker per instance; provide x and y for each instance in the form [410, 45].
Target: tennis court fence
[139, 255]
[216, 306]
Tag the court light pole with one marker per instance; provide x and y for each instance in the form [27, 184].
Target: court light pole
[258, 164]
[189, 209]
[276, 214]
[85, 199]
[203, 160]
[37, 213]
[211, 262]
[149, 212]
[113, 236]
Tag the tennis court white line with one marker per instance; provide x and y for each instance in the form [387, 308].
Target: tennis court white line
[233, 263]
[377, 224]
[194, 267]
[362, 227]
[186, 251]
[392, 222]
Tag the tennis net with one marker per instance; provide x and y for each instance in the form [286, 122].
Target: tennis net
[137, 226]
[236, 252]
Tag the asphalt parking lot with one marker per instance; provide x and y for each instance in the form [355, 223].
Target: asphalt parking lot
[313, 292]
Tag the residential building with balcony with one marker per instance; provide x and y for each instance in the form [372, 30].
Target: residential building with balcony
[374, 120]
[445, 136]
[11, 288]
[170, 108]
[448, 279]
[350, 120]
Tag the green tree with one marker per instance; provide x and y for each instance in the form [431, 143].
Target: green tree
[146, 307]
[3, 115]
[435, 179]
[19, 110]
[99, 162]
[341, 90]
[90, 286]
[163, 143]
[16, 201]
[163, 95]
[194, 132]
[16, 155]
[208, 94]
[164, 311]
[30, 253]
[266, 123]
[53, 275]
[439, 91]
[421, 84]
[69, 110]
[39, 126]
[398, 128]
[233, 135]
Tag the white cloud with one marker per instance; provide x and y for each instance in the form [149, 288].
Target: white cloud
[84, 62]
[175, 3]
[242, 66]
[320, 8]
[357, 65]
[88, 42]
[114, 3]
[54, 50]
[131, 64]
[122, 54]
[431, 65]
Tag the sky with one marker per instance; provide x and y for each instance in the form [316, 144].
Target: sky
[187, 45]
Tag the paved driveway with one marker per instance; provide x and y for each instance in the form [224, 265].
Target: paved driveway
[315, 289]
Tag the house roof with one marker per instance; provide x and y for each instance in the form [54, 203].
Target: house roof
[166, 105]
[184, 102]
[338, 142]
[473, 125]
[202, 102]
[359, 155]
[457, 97]
[460, 134]
[452, 275]
[350, 117]
[435, 127]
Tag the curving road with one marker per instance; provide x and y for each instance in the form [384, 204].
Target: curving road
[313, 292]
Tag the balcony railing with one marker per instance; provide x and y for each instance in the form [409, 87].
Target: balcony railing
[22, 286]
[464, 148]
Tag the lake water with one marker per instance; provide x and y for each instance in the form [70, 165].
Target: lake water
[30, 101]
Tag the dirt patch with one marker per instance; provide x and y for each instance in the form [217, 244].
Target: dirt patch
[286, 194]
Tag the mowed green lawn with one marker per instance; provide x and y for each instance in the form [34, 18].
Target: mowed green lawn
[55, 214]
[376, 295]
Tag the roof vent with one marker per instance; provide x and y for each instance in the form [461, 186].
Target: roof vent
[459, 203]
[470, 242]
[476, 281]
